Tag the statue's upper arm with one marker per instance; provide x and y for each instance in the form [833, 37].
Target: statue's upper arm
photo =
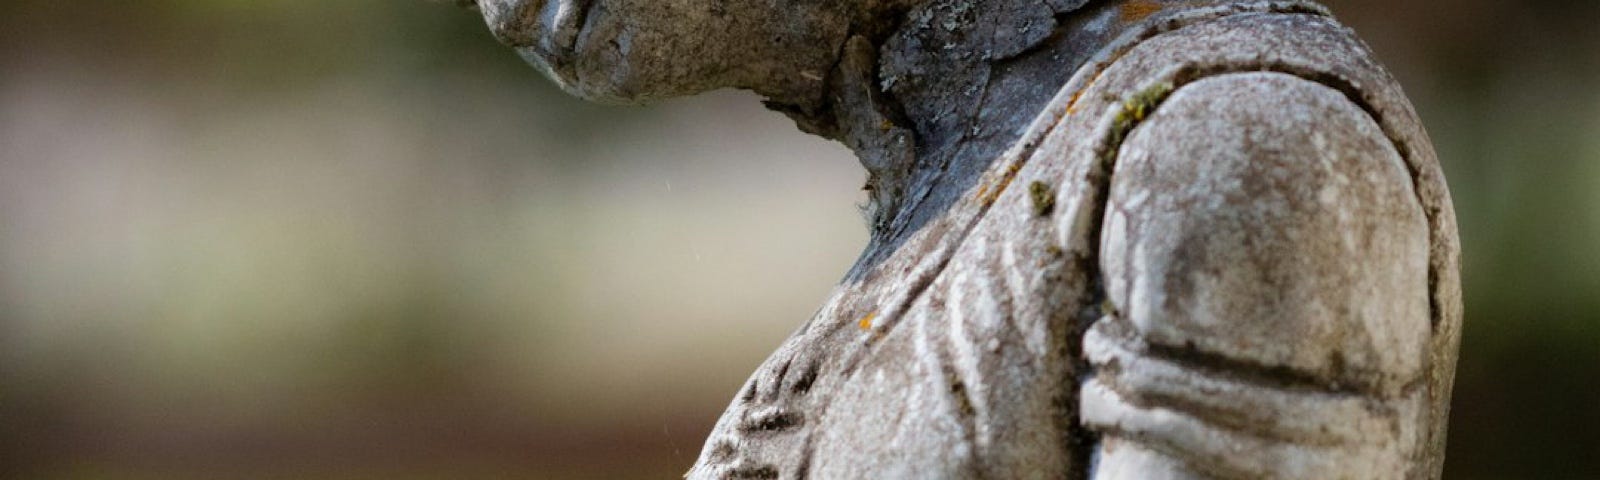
[1262, 239]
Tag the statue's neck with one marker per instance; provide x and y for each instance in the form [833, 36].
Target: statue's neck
[929, 106]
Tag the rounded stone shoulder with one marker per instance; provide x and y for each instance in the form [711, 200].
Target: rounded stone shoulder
[1264, 219]
[1103, 122]
[1266, 268]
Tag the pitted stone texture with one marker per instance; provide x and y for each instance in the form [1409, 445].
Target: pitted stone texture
[1267, 260]
[1318, 50]
[1265, 219]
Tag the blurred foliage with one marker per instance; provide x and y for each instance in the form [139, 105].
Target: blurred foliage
[356, 239]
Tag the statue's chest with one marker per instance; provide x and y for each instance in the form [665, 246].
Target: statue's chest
[953, 352]
[959, 341]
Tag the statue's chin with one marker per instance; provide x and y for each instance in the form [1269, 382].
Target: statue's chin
[596, 86]
[600, 72]
[588, 60]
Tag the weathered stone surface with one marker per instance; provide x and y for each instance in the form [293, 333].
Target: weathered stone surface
[1267, 261]
[1111, 239]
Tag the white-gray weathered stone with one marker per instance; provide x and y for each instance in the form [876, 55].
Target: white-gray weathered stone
[1118, 239]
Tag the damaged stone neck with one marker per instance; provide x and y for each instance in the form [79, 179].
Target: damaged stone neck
[853, 109]
[905, 96]
[873, 125]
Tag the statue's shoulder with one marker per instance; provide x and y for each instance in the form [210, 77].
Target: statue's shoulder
[1175, 45]
[1107, 98]
[1252, 157]
[1163, 50]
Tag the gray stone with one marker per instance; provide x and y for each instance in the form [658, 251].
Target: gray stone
[1111, 239]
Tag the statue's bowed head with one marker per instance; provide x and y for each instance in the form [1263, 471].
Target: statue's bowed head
[631, 51]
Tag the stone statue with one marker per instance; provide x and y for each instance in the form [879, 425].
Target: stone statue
[1111, 239]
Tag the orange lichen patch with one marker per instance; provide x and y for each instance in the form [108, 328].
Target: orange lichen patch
[983, 190]
[1005, 181]
[866, 322]
[1072, 103]
[1137, 10]
[885, 125]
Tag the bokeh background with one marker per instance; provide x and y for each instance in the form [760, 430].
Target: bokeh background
[359, 239]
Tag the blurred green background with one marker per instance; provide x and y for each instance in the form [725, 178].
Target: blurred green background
[359, 239]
